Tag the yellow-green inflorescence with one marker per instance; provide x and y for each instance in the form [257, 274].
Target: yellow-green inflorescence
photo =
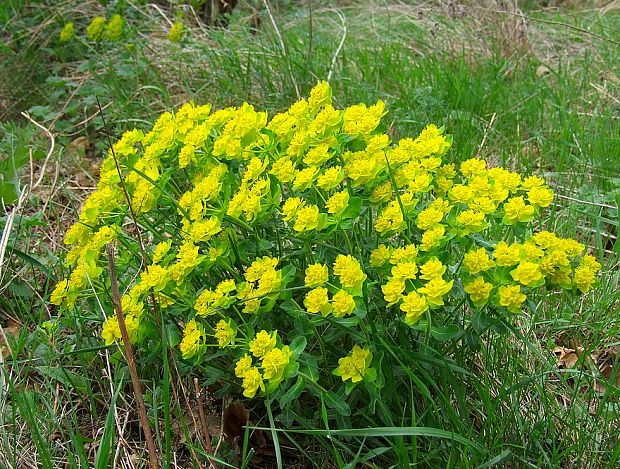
[252, 223]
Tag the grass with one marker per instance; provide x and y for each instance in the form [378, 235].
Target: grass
[538, 93]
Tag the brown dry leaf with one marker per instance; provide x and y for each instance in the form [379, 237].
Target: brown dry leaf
[566, 357]
[235, 419]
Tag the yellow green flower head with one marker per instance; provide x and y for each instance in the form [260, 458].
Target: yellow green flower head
[406, 253]
[338, 202]
[316, 275]
[317, 301]
[349, 271]
[517, 211]
[193, 341]
[473, 167]
[291, 208]
[360, 120]
[470, 221]
[435, 290]
[96, 28]
[531, 182]
[67, 32]
[380, 255]
[284, 170]
[244, 364]
[320, 95]
[175, 32]
[406, 270]
[527, 273]
[507, 255]
[114, 28]
[414, 305]
[478, 291]
[433, 268]
[330, 178]
[393, 290]
[225, 332]
[252, 382]
[584, 278]
[307, 219]
[511, 297]
[355, 366]
[477, 260]
[274, 362]
[342, 304]
[432, 237]
[263, 343]
[540, 196]
[429, 217]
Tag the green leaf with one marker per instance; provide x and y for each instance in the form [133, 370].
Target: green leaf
[334, 401]
[297, 346]
[293, 392]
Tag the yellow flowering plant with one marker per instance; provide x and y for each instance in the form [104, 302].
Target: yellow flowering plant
[281, 251]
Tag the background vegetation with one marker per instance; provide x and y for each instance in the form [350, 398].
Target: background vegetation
[530, 86]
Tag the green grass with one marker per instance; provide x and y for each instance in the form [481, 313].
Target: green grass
[545, 103]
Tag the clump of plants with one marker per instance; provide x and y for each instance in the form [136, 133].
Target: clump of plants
[281, 251]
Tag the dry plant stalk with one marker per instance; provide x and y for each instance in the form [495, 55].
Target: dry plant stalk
[131, 361]
[203, 422]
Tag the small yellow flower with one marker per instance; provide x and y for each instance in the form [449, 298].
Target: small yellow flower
[338, 202]
[354, 366]
[307, 219]
[96, 28]
[479, 291]
[193, 339]
[414, 305]
[252, 382]
[433, 268]
[405, 270]
[263, 343]
[330, 178]
[348, 269]
[274, 362]
[477, 260]
[473, 167]
[506, 255]
[68, 32]
[225, 333]
[527, 273]
[517, 211]
[511, 297]
[380, 255]
[243, 365]
[342, 304]
[317, 301]
[583, 278]
[176, 32]
[540, 196]
[435, 290]
[316, 275]
[393, 290]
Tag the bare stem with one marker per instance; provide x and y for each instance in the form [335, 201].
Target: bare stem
[203, 421]
[131, 361]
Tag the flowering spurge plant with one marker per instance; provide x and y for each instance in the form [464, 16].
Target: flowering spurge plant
[282, 251]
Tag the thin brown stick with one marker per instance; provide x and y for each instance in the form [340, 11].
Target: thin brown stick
[131, 361]
[203, 421]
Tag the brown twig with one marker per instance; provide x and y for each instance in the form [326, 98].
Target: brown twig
[203, 421]
[131, 361]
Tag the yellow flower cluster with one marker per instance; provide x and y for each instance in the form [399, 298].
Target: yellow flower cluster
[313, 210]
[350, 276]
[354, 366]
[274, 361]
[98, 29]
